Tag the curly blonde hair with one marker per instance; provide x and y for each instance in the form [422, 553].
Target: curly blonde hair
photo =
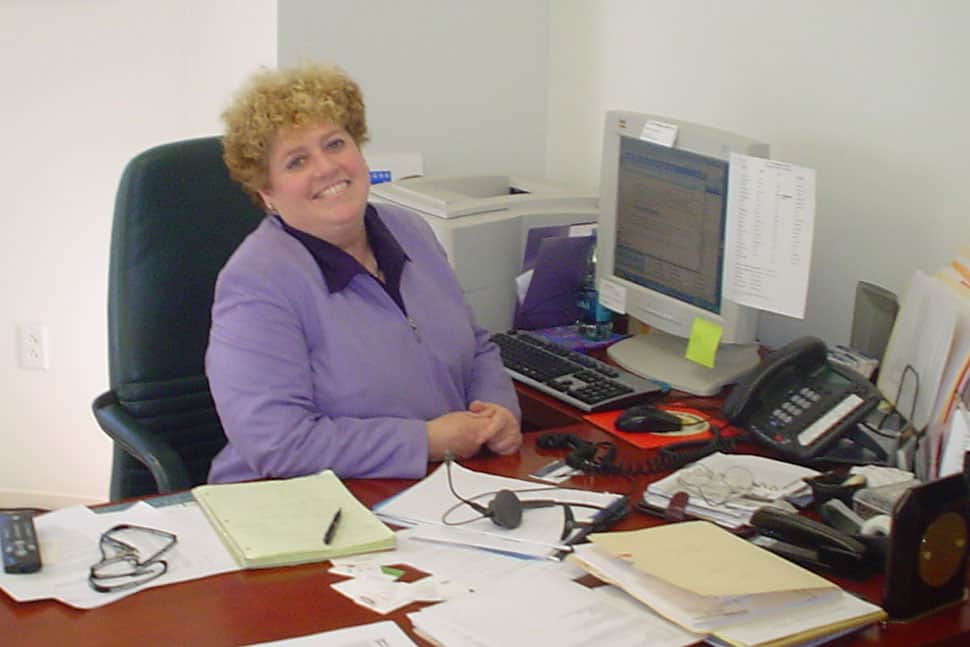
[276, 100]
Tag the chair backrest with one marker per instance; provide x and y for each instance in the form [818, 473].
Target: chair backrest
[178, 217]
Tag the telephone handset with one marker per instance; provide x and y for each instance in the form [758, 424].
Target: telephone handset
[797, 403]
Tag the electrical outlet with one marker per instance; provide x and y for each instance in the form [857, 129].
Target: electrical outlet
[32, 348]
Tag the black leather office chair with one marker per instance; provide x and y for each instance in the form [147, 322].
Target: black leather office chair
[177, 219]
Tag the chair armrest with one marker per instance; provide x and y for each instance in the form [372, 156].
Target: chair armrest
[149, 448]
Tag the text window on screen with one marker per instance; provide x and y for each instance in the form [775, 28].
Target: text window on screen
[670, 222]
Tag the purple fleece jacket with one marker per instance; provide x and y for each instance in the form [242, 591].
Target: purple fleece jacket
[306, 379]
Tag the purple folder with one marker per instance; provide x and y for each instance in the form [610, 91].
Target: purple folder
[558, 269]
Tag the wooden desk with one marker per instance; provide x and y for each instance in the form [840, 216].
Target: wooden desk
[261, 605]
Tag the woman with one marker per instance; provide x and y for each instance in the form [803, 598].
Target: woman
[340, 337]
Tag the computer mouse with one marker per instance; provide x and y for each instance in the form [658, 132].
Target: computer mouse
[646, 418]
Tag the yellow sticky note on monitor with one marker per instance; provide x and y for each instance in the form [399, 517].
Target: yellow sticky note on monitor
[705, 337]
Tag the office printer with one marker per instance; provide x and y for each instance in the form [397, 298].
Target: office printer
[482, 222]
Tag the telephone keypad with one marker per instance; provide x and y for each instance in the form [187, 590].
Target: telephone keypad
[801, 418]
[798, 405]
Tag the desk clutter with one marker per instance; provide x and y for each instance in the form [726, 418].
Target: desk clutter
[679, 584]
[728, 489]
[489, 546]
[456, 505]
[88, 563]
[95, 558]
[713, 583]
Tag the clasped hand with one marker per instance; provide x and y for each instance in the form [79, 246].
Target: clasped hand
[465, 432]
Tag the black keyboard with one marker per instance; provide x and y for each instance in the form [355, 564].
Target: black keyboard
[569, 376]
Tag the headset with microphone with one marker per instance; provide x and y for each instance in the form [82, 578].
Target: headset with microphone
[505, 509]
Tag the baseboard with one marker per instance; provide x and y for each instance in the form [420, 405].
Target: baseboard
[43, 500]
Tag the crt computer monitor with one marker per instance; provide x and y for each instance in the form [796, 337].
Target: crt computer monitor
[660, 243]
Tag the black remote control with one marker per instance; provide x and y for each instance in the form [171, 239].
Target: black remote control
[18, 541]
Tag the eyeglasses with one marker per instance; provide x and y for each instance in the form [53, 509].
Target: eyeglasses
[717, 488]
[122, 565]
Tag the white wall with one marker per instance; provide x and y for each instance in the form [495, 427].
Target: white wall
[872, 94]
[87, 85]
[463, 83]
[869, 93]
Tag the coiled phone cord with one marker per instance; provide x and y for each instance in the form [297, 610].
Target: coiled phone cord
[600, 457]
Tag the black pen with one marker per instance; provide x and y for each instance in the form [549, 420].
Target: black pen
[332, 528]
[608, 516]
[601, 521]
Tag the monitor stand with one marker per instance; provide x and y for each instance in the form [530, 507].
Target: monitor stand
[660, 356]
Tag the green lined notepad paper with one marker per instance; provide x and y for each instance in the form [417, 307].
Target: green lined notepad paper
[279, 523]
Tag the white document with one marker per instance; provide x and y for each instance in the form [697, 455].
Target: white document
[612, 295]
[440, 516]
[526, 609]
[522, 283]
[454, 571]
[956, 443]
[918, 349]
[490, 541]
[770, 227]
[375, 634]
[69, 546]
[843, 608]
[955, 373]
[382, 595]
[659, 132]
[474, 568]
[880, 475]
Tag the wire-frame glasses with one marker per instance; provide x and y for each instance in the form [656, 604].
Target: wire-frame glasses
[130, 556]
[717, 488]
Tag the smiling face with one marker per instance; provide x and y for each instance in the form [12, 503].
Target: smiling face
[318, 182]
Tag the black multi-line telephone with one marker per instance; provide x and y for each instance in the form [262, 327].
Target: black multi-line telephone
[797, 403]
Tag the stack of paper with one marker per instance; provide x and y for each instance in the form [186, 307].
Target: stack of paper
[926, 366]
[530, 607]
[740, 484]
[709, 581]
[277, 523]
[439, 515]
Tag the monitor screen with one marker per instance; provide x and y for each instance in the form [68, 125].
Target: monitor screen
[670, 214]
[662, 226]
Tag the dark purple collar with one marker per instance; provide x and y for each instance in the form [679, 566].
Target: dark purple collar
[339, 267]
